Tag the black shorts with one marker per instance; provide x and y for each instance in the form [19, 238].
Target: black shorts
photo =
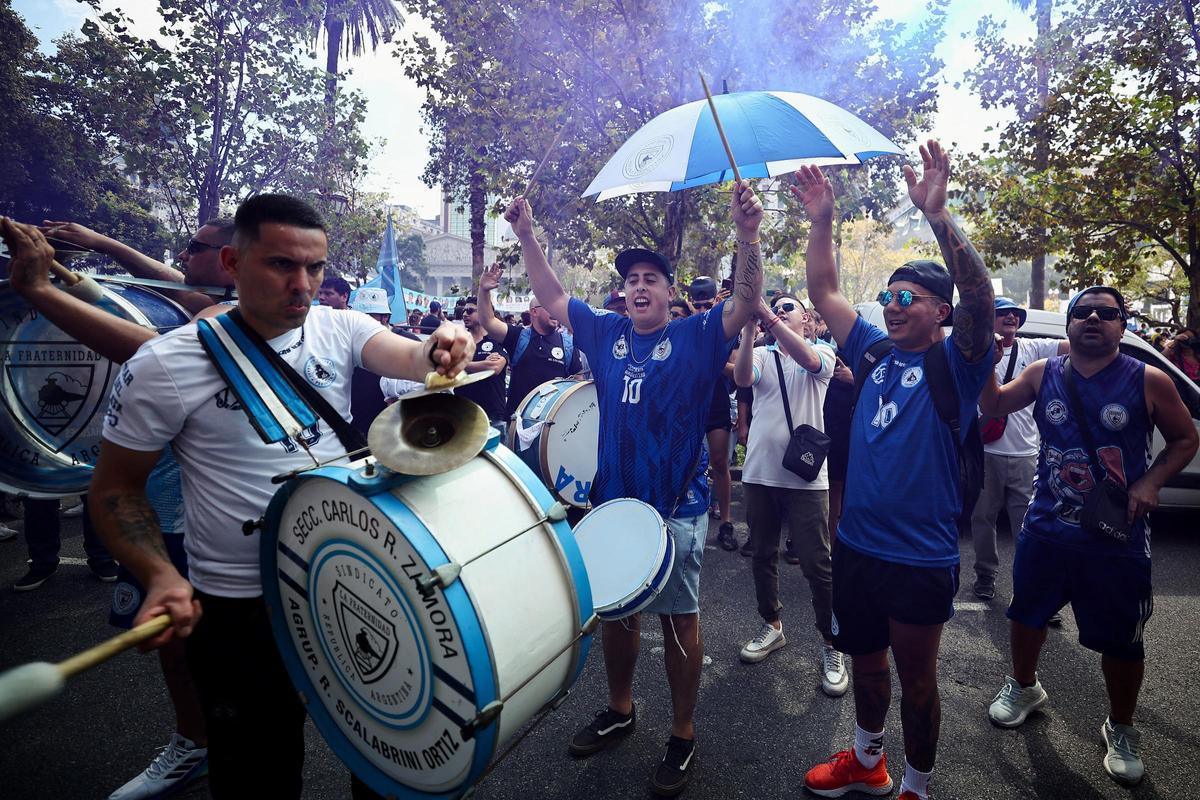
[1111, 596]
[718, 409]
[868, 592]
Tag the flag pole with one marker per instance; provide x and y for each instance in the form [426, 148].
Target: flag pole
[737, 176]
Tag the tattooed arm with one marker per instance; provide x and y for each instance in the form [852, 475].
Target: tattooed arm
[129, 527]
[974, 316]
[747, 214]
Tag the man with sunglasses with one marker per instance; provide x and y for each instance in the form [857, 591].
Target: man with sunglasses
[774, 495]
[490, 356]
[895, 560]
[1011, 457]
[1060, 558]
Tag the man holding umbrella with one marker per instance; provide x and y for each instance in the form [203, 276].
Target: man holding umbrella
[654, 380]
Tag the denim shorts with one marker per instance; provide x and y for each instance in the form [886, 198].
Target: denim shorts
[681, 595]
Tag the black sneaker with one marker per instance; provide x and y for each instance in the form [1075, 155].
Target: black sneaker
[984, 590]
[35, 578]
[608, 727]
[105, 571]
[748, 547]
[726, 538]
[672, 774]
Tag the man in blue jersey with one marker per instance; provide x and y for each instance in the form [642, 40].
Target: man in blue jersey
[654, 380]
[895, 561]
[1062, 559]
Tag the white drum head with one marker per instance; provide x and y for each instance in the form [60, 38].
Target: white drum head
[623, 543]
[571, 444]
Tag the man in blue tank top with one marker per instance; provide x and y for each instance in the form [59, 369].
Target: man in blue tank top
[654, 380]
[895, 561]
[1060, 558]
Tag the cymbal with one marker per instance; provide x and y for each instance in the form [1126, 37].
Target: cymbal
[428, 432]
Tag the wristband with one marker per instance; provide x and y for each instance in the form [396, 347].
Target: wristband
[432, 348]
[743, 241]
[772, 323]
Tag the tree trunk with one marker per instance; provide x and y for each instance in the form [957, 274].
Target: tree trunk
[1193, 273]
[334, 28]
[477, 203]
[671, 244]
[1037, 272]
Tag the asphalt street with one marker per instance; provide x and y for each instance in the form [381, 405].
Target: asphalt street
[759, 727]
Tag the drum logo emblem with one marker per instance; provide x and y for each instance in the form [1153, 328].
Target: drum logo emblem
[369, 637]
[320, 372]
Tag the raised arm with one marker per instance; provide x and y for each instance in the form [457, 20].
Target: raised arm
[743, 359]
[135, 263]
[747, 212]
[997, 400]
[31, 255]
[542, 279]
[975, 314]
[448, 350]
[815, 191]
[489, 280]
[792, 343]
[129, 528]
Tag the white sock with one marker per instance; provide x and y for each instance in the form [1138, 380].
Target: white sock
[915, 781]
[868, 747]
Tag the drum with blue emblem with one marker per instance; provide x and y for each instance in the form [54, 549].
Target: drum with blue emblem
[420, 638]
[54, 390]
[556, 431]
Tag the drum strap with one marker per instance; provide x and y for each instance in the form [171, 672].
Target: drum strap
[279, 403]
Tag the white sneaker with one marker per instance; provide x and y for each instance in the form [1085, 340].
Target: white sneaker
[1014, 703]
[1123, 762]
[6, 533]
[834, 680]
[178, 763]
[74, 511]
[768, 639]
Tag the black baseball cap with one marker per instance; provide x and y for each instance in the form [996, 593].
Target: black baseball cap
[931, 275]
[703, 288]
[640, 255]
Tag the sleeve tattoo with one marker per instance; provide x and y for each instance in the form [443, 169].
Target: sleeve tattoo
[747, 278]
[974, 316]
[137, 523]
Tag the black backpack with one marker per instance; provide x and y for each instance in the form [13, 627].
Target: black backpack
[945, 399]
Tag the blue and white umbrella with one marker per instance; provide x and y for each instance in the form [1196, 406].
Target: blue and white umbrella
[771, 133]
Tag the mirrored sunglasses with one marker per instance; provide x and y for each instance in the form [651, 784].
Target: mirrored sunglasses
[904, 297]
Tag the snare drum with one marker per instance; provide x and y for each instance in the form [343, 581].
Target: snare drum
[556, 431]
[54, 390]
[629, 555]
[392, 676]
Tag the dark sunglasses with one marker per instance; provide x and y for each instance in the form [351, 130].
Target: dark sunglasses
[904, 297]
[195, 247]
[1106, 313]
[703, 305]
[469, 310]
[1008, 312]
[788, 307]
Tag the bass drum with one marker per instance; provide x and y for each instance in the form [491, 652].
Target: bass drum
[416, 686]
[54, 390]
[556, 431]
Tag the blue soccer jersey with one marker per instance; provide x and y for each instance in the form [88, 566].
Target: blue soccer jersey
[902, 496]
[654, 392]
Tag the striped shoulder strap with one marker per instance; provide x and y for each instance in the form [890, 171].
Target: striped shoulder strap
[273, 407]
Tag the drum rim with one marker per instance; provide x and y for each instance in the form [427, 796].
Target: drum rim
[74, 478]
[663, 557]
[455, 595]
[648, 593]
[544, 442]
[510, 439]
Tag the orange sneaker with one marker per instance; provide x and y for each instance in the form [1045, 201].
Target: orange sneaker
[844, 773]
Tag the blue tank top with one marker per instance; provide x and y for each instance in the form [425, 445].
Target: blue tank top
[1114, 400]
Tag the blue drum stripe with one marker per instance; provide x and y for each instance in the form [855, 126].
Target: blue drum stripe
[450, 715]
[453, 683]
[297, 588]
[293, 556]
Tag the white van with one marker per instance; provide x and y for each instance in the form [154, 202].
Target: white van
[1183, 491]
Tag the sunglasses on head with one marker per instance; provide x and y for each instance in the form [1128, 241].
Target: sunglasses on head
[195, 247]
[1106, 313]
[787, 306]
[904, 297]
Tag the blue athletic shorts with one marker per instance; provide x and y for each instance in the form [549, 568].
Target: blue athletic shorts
[128, 593]
[1110, 596]
[681, 595]
[868, 592]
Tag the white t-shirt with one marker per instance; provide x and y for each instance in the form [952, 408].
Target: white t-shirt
[1021, 436]
[170, 392]
[769, 434]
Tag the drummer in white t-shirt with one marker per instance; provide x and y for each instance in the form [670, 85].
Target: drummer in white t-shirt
[775, 495]
[1010, 461]
[170, 392]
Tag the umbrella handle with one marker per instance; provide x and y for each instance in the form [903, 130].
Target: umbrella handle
[737, 176]
[542, 163]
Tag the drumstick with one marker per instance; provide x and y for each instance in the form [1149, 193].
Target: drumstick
[542, 163]
[32, 684]
[65, 275]
[737, 176]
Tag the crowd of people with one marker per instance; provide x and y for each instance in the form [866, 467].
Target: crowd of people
[843, 423]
